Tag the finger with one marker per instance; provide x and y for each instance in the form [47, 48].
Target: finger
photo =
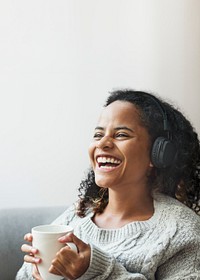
[74, 239]
[65, 238]
[31, 259]
[54, 270]
[58, 269]
[70, 238]
[63, 260]
[28, 237]
[28, 249]
[35, 273]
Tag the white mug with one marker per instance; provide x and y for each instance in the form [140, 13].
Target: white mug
[45, 239]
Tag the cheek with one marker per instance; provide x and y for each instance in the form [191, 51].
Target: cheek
[138, 157]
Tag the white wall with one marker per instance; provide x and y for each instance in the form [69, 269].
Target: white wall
[58, 60]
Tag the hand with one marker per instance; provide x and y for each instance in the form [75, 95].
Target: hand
[30, 258]
[68, 263]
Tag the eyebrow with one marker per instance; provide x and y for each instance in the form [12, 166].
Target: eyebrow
[116, 128]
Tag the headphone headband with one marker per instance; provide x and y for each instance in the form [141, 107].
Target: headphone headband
[166, 126]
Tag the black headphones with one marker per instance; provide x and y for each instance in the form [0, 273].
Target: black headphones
[163, 149]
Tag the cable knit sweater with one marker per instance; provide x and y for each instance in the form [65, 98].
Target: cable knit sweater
[165, 247]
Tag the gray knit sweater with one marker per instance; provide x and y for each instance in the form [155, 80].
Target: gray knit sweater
[165, 247]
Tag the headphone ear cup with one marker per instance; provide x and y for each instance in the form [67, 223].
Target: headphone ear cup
[163, 152]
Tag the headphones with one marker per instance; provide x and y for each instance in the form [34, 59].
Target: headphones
[163, 149]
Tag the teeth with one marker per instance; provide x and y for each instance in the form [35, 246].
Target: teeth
[108, 160]
[107, 167]
[104, 159]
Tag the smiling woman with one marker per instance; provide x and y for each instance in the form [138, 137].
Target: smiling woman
[137, 213]
[124, 139]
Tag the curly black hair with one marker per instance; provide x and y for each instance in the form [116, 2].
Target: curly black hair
[181, 179]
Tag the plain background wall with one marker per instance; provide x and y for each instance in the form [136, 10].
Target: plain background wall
[58, 61]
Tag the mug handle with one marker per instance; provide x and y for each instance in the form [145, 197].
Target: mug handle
[72, 246]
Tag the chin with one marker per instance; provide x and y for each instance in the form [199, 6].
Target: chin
[103, 182]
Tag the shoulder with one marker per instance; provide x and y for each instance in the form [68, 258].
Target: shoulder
[69, 216]
[173, 212]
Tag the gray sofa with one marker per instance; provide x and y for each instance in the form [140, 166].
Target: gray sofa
[14, 223]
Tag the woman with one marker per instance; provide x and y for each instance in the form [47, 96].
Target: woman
[136, 216]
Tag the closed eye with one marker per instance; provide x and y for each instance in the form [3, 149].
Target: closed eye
[98, 136]
[123, 132]
[121, 135]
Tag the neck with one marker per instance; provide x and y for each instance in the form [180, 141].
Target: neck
[136, 202]
[125, 207]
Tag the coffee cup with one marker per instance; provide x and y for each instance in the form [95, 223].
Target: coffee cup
[45, 239]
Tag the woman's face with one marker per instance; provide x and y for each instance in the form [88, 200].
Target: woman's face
[120, 151]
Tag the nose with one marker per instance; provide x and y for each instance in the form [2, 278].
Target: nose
[105, 143]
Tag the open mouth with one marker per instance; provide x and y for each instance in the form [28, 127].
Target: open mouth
[108, 162]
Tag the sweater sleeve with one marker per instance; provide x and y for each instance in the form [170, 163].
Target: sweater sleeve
[184, 265]
[25, 272]
[104, 266]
